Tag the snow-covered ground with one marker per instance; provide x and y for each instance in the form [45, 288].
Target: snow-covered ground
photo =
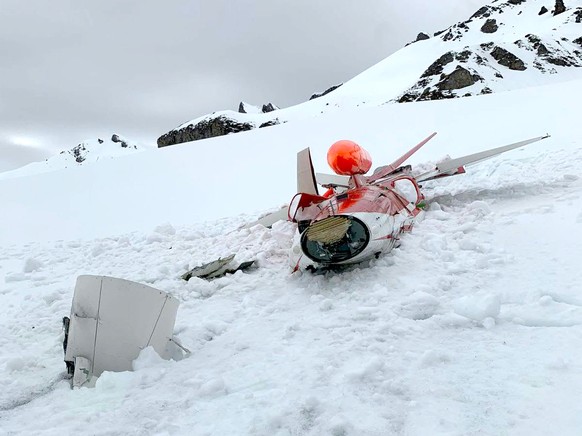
[254, 171]
[86, 152]
[472, 326]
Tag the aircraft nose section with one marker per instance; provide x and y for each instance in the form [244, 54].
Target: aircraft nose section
[335, 239]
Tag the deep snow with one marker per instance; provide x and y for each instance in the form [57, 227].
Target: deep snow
[472, 326]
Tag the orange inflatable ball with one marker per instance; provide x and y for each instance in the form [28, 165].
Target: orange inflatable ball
[347, 158]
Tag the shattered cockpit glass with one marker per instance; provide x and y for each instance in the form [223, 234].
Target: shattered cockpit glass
[335, 239]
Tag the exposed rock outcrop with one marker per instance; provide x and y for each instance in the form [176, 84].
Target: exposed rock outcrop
[92, 150]
[420, 37]
[270, 123]
[327, 91]
[434, 84]
[204, 129]
[458, 79]
[269, 107]
[454, 33]
[559, 7]
[485, 12]
[507, 59]
[78, 152]
[437, 66]
[552, 53]
[490, 26]
[245, 108]
[119, 140]
[543, 10]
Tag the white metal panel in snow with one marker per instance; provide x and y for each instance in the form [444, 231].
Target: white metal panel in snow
[84, 315]
[112, 320]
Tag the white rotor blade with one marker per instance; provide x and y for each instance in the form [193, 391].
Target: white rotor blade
[451, 167]
[453, 164]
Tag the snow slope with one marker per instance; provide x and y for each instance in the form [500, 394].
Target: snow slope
[472, 326]
[256, 170]
[391, 77]
[87, 152]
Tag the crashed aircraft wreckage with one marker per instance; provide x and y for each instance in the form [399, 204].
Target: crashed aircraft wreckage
[111, 321]
[361, 217]
[358, 218]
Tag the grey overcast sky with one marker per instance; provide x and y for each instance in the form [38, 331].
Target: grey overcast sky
[72, 70]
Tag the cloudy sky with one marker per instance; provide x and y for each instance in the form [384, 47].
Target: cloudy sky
[72, 70]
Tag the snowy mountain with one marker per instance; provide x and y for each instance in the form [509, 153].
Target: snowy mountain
[503, 46]
[86, 152]
[500, 42]
[472, 326]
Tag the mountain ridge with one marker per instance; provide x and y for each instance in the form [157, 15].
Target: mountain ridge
[504, 45]
[86, 152]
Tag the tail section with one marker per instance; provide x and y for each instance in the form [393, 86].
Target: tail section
[306, 184]
[305, 175]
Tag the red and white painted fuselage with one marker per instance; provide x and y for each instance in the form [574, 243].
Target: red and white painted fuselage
[360, 216]
[354, 225]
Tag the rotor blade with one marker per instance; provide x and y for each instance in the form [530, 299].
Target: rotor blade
[452, 167]
[387, 169]
[453, 164]
[436, 174]
[305, 174]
